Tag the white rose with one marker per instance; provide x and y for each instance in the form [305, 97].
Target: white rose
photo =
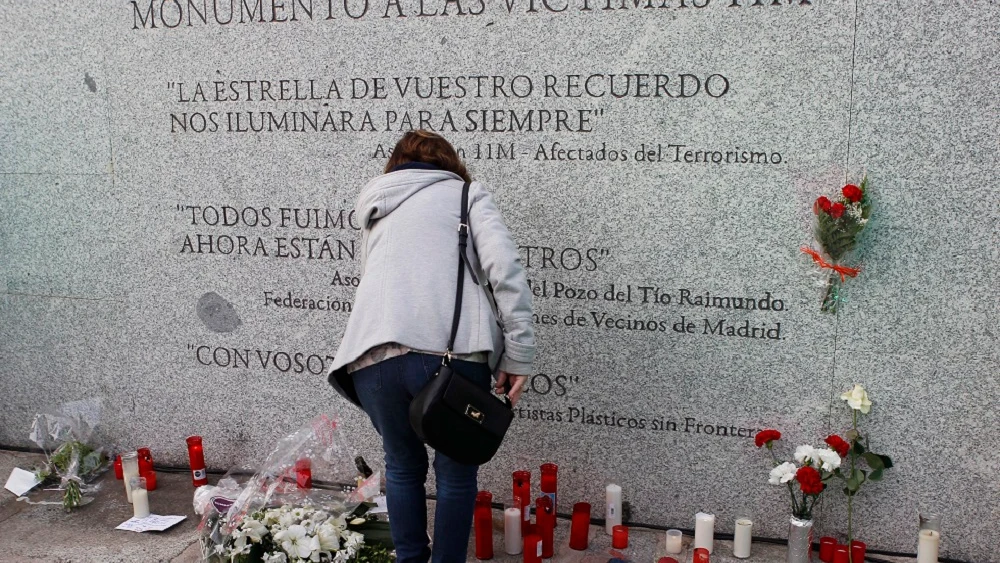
[782, 473]
[857, 399]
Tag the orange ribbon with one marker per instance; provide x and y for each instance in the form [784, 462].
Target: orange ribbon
[844, 271]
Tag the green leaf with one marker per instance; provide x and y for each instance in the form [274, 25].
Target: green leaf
[859, 448]
[876, 475]
[886, 461]
[874, 460]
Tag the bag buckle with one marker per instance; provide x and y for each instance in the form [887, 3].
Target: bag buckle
[463, 229]
[475, 414]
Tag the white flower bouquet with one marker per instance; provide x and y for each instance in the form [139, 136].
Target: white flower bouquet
[291, 534]
[303, 504]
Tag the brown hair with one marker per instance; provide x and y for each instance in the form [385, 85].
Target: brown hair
[425, 146]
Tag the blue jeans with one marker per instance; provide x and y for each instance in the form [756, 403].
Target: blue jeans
[386, 390]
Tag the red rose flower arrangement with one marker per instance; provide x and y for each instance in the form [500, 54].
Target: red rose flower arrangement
[838, 226]
[812, 466]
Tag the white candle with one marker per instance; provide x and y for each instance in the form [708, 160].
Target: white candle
[512, 542]
[140, 503]
[927, 549]
[613, 516]
[675, 542]
[130, 470]
[741, 539]
[704, 531]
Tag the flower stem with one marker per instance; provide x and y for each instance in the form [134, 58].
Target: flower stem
[850, 497]
[830, 297]
[791, 491]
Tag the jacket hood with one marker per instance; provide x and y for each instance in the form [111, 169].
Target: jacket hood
[383, 194]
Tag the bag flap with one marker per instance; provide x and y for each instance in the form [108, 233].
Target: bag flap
[477, 405]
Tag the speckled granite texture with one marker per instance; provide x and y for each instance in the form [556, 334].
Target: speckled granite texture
[150, 247]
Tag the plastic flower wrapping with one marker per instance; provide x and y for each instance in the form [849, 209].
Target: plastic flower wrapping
[73, 458]
[304, 503]
[839, 224]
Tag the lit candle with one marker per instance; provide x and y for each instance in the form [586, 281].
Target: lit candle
[704, 531]
[140, 498]
[130, 470]
[512, 528]
[742, 538]
[927, 549]
[613, 517]
[675, 542]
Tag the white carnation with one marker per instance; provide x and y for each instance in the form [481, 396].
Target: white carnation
[782, 473]
[805, 454]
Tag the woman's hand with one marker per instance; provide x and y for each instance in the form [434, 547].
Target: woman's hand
[516, 385]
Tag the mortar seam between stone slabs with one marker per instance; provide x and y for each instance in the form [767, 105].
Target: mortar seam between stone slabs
[60, 296]
[850, 97]
[56, 174]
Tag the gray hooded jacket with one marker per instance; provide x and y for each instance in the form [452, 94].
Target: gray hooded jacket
[409, 261]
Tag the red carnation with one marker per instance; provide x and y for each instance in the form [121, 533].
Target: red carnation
[838, 444]
[823, 203]
[852, 193]
[836, 210]
[810, 480]
[766, 437]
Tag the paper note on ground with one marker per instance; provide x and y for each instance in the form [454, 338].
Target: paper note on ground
[21, 481]
[380, 506]
[151, 523]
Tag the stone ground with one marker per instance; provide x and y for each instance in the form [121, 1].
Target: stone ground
[43, 532]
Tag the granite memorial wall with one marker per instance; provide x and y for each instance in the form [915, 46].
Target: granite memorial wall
[177, 233]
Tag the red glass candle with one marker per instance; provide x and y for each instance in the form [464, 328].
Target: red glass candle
[619, 537]
[532, 548]
[858, 549]
[826, 546]
[549, 482]
[482, 523]
[667, 560]
[840, 555]
[150, 477]
[196, 454]
[579, 530]
[545, 524]
[701, 555]
[118, 468]
[303, 473]
[145, 460]
[522, 495]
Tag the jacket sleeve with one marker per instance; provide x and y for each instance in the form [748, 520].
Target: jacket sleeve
[502, 264]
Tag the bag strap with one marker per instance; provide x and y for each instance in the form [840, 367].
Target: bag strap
[463, 242]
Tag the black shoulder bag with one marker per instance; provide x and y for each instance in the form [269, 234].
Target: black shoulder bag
[451, 414]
